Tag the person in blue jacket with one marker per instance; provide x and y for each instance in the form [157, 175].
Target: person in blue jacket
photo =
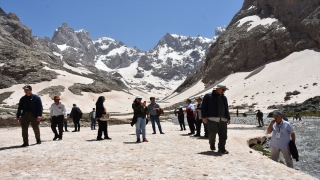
[29, 111]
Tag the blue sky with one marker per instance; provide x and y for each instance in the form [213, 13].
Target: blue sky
[140, 23]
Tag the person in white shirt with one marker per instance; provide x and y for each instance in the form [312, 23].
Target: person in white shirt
[58, 114]
[92, 116]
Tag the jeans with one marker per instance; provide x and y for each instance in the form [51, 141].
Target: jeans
[219, 128]
[141, 126]
[93, 123]
[155, 118]
[181, 122]
[198, 126]
[65, 125]
[57, 120]
[25, 120]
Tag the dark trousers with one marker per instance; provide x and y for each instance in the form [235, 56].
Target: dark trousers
[65, 125]
[219, 128]
[198, 126]
[260, 120]
[181, 122]
[191, 125]
[57, 120]
[93, 123]
[25, 120]
[155, 119]
[103, 127]
[76, 124]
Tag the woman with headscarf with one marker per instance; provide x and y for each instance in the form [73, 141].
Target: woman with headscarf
[140, 111]
[103, 125]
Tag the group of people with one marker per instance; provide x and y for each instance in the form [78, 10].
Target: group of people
[212, 111]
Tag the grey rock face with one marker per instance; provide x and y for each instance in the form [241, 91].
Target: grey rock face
[239, 48]
[95, 87]
[52, 91]
[311, 105]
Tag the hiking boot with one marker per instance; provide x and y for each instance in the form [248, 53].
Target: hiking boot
[107, 138]
[138, 140]
[223, 151]
[38, 141]
[24, 145]
[145, 140]
[55, 138]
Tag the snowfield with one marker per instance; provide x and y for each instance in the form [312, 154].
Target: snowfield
[170, 156]
[299, 71]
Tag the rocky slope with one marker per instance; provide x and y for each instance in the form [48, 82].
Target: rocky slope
[262, 31]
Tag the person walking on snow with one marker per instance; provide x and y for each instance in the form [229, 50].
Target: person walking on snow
[199, 120]
[215, 112]
[153, 107]
[76, 114]
[58, 114]
[259, 116]
[190, 116]
[103, 125]
[92, 117]
[140, 110]
[31, 107]
[180, 113]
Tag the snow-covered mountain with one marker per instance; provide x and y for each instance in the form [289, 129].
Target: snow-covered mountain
[158, 71]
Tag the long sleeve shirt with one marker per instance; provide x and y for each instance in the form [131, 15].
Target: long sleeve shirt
[57, 110]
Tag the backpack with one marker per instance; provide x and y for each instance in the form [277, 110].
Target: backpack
[160, 112]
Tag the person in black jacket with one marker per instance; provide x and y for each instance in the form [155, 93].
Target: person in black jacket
[140, 112]
[103, 125]
[180, 113]
[215, 112]
[31, 107]
[76, 115]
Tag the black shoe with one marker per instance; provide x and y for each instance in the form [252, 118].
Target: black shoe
[67, 131]
[181, 129]
[55, 138]
[154, 133]
[184, 129]
[196, 135]
[60, 139]
[99, 139]
[213, 148]
[24, 145]
[107, 138]
[161, 133]
[190, 133]
[223, 151]
[38, 141]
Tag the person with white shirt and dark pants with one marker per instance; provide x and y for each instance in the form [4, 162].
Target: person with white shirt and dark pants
[58, 114]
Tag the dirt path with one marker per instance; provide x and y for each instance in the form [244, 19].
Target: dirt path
[170, 156]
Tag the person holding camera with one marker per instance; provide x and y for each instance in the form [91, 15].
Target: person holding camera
[140, 110]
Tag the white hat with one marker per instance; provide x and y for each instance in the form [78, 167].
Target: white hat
[138, 97]
[220, 86]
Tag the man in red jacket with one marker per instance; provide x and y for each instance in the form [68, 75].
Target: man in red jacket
[190, 116]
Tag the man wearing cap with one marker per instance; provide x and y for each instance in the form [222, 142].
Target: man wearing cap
[215, 112]
[199, 119]
[153, 107]
[282, 133]
[31, 107]
[58, 114]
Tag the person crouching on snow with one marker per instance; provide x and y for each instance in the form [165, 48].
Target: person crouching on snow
[140, 111]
